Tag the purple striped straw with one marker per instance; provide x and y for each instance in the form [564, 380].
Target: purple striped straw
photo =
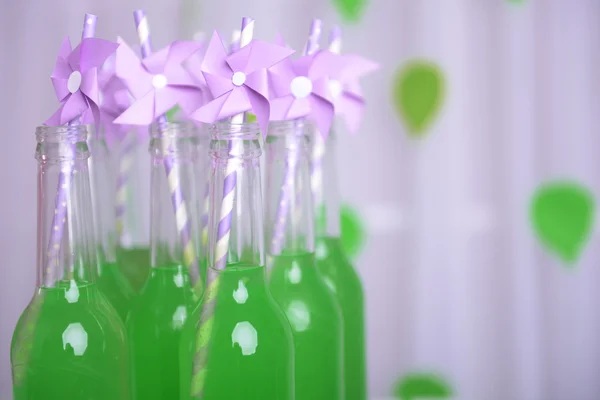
[234, 46]
[64, 181]
[125, 163]
[287, 188]
[236, 148]
[172, 169]
[204, 330]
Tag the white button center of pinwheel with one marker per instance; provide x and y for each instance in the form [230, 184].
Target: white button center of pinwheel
[74, 81]
[238, 78]
[159, 81]
[301, 87]
[335, 88]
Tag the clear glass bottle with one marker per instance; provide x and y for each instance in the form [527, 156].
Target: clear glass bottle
[237, 344]
[311, 308]
[160, 311]
[69, 342]
[335, 266]
[132, 210]
[110, 279]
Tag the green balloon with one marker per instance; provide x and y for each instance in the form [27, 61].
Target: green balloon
[563, 215]
[352, 231]
[422, 385]
[350, 10]
[418, 93]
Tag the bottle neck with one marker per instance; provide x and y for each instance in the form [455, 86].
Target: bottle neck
[174, 204]
[324, 180]
[290, 218]
[235, 223]
[103, 196]
[132, 187]
[65, 234]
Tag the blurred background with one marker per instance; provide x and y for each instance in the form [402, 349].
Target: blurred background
[469, 192]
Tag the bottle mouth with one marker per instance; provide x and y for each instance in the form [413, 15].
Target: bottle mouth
[177, 129]
[241, 131]
[299, 126]
[63, 133]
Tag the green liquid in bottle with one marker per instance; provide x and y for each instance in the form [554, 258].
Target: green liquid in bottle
[116, 288]
[70, 344]
[134, 264]
[316, 322]
[154, 326]
[250, 350]
[344, 282]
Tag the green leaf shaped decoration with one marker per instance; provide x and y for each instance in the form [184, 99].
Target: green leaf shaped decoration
[350, 10]
[250, 117]
[352, 231]
[172, 113]
[416, 386]
[563, 215]
[418, 93]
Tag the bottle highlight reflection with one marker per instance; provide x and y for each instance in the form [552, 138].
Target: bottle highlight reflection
[160, 311]
[237, 344]
[69, 342]
[310, 307]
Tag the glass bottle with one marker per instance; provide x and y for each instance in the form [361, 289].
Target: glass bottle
[311, 308]
[237, 344]
[335, 266]
[110, 279]
[132, 211]
[69, 343]
[164, 303]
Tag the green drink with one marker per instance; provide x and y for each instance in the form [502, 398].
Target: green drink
[316, 324]
[154, 326]
[69, 344]
[312, 310]
[116, 288]
[250, 355]
[160, 311]
[335, 267]
[237, 345]
[341, 277]
[134, 264]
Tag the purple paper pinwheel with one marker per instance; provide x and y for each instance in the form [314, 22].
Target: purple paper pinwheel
[158, 82]
[238, 82]
[344, 83]
[75, 80]
[301, 89]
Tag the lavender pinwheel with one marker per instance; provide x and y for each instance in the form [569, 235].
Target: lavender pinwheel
[238, 82]
[75, 80]
[345, 88]
[114, 100]
[158, 82]
[301, 89]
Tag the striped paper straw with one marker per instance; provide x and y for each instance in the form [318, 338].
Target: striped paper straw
[234, 46]
[287, 188]
[64, 181]
[182, 217]
[318, 147]
[125, 164]
[205, 325]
